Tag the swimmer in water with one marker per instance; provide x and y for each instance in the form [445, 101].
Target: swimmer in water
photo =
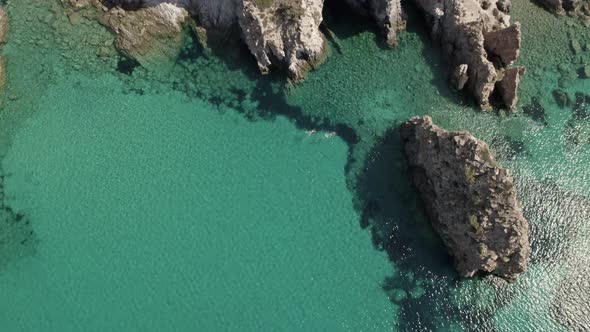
[311, 132]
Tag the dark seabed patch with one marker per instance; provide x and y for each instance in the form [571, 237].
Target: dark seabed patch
[17, 237]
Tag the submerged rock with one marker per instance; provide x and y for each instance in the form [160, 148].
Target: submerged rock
[148, 34]
[470, 200]
[477, 35]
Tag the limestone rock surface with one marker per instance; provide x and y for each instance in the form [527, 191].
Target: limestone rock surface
[147, 34]
[477, 35]
[284, 33]
[469, 199]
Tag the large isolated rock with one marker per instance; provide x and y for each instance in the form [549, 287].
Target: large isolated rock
[388, 14]
[284, 33]
[476, 35]
[470, 200]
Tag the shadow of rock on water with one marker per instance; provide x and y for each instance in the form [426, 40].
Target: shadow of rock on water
[437, 61]
[17, 238]
[342, 22]
[429, 293]
[536, 111]
[220, 69]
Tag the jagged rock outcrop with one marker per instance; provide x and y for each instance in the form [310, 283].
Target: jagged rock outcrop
[470, 200]
[388, 14]
[476, 35]
[284, 33]
[480, 43]
[508, 85]
[279, 33]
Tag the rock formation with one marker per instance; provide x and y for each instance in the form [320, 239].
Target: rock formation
[480, 43]
[470, 200]
[279, 33]
[476, 35]
[284, 33]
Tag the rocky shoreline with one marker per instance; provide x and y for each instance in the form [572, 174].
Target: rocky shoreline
[476, 35]
[469, 199]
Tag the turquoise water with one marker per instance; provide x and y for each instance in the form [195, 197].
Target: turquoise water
[180, 222]
[193, 196]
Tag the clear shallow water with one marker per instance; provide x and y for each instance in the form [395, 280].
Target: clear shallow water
[163, 228]
[190, 195]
